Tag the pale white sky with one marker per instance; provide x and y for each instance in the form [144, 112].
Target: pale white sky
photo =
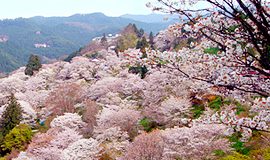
[30, 8]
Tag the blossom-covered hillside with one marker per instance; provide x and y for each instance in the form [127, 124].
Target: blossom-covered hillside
[101, 109]
[198, 90]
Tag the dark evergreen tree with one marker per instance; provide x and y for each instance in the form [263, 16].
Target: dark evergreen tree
[135, 29]
[140, 33]
[151, 40]
[142, 44]
[103, 40]
[11, 116]
[34, 64]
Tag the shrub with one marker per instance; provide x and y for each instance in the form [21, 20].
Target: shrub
[197, 110]
[34, 64]
[142, 70]
[212, 50]
[148, 124]
[219, 153]
[142, 44]
[17, 138]
[216, 103]
[238, 145]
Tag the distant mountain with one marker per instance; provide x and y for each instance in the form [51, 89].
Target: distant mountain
[153, 18]
[52, 37]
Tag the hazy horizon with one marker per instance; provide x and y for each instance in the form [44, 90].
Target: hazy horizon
[152, 13]
[50, 8]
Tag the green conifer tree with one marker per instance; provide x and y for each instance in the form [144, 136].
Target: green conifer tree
[11, 116]
[34, 64]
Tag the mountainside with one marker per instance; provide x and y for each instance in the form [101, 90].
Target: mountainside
[52, 37]
[119, 104]
[101, 107]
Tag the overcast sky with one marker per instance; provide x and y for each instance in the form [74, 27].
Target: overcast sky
[30, 8]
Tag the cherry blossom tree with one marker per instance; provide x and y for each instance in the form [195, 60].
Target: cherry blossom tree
[196, 142]
[51, 144]
[64, 98]
[68, 120]
[83, 149]
[113, 140]
[126, 119]
[238, 31]
[146, 146]
[89, 115]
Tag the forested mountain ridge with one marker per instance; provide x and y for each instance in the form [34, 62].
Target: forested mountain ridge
[52, 37]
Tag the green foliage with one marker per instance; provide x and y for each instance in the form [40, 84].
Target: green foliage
[216, 103]
[243, 15]
[142, 44]
[240, 108]
[219, 153]
[34, 64]
[197, 110]
[235, 137]
[126, 41]
[148, 124]
[17, 138]
[131, 38]
[11, 116]
[237, 145]
[232, 28]
[142, 70]
[211, 50]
